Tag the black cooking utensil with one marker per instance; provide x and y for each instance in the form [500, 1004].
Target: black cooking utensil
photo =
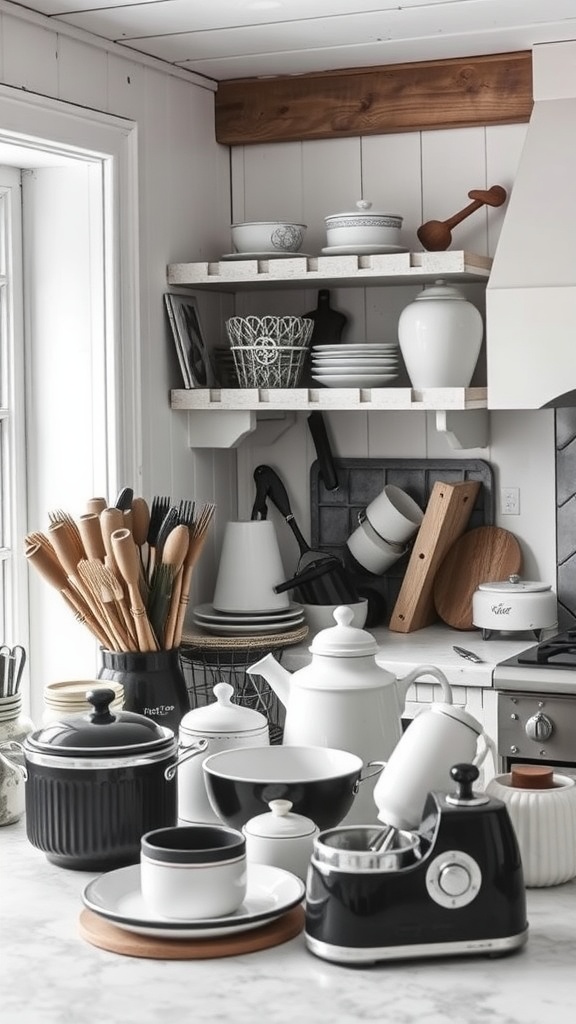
[321, 583]
[327, 468]
[328, 323]
[124, 499]
[269, 483]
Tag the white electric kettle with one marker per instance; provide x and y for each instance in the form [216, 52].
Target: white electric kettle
[435, 740]
[344, 699]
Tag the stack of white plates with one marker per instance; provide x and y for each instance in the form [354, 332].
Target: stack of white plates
[248, 623]
[368, 365]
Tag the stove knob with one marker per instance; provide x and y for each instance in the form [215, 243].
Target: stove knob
[539, 727]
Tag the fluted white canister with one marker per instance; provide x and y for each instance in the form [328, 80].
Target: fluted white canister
[440, 336]
[545, 824]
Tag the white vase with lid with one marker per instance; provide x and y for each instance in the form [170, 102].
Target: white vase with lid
[440, 336]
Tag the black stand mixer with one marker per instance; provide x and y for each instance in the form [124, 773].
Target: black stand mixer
[453, 887]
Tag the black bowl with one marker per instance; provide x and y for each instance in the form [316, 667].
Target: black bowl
[320, 782]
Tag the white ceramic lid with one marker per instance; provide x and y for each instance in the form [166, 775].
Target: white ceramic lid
[279, 823]
[364, 208]
[343, 639]
[441, 290]
[515, 585]
[222, 716]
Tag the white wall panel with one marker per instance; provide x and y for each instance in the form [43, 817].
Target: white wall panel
[28, 55]
[453, 163]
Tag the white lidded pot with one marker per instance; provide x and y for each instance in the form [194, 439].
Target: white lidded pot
[281, 839]
[224, 725]
[435, 740]
[542, 807]
[345, 700]
[363, 226]
[514, 604]
[440, 336]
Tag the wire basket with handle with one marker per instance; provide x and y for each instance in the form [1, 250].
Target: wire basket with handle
[269, 331]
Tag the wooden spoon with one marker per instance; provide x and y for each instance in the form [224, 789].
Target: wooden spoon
[126, 557]
[91, 534]
[96, 505]
[54, 574]
[436, 235]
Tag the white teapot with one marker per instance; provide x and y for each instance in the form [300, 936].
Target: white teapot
[344, 699]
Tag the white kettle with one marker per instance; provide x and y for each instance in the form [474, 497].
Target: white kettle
[344, 699]
[435, 740]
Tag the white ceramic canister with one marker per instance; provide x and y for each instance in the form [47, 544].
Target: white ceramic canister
[440, 336]
[281, 839]
[544, 820]
[224, 725]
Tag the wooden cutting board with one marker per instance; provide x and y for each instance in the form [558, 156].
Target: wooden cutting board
[485, 555]
[328, 323]
[102, 933]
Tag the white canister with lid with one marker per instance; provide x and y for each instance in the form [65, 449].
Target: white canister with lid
[224, 725]
[440, 336]
[363, 227]
[281, 839]
[514, 604]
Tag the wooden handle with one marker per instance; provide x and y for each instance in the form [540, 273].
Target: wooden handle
[96, 505]
[56, 577]
[140, 520]
[91, 533]
[127, 560]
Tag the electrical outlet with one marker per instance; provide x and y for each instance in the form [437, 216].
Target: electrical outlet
[510, 501]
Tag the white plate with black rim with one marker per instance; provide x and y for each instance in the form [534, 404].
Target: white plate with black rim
[117, 897]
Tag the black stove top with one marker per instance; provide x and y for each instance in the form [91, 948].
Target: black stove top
[556, 652]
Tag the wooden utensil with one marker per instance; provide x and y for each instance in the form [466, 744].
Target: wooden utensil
[436, 235]
[198, 533]
[445, 519]
[126, 558]
[54, 574]
[483, 555]
[91, 534]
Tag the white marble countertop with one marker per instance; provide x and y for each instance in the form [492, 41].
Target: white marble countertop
[52, 976]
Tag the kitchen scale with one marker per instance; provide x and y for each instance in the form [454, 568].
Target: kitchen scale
[453, 887]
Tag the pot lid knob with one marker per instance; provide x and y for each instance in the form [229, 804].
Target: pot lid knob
[344, 639]
[101, 700]
[363, 204]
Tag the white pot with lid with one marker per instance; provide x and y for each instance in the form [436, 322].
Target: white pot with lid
[514, 604]
[363, 226]
[281, 838]
[224, 725]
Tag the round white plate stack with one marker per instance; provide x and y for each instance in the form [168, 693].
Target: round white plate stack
[249, 623]
[367, 365]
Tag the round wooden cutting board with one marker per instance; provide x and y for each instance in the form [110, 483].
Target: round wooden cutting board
[485, 555]
[102, 933]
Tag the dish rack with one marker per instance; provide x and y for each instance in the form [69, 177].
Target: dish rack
[205, 664]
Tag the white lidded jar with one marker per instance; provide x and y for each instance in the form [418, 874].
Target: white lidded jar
[281, 839]
[224, 725]
[440, 336]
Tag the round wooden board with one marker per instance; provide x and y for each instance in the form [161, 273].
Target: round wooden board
[102, 933]
[485, 555]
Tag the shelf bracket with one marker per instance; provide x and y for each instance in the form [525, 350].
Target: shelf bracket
[227, 428]
[463, 428]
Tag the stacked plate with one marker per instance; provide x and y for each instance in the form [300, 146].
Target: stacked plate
[248, 623]
[69, 697]
[368, 365]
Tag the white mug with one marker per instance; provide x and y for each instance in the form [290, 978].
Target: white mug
[250, 567]
[421, 761]
[394, 515]
[371, 551]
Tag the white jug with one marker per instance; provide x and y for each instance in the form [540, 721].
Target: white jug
[434, 741]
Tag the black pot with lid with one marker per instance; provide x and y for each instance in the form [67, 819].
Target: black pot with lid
[97, 781]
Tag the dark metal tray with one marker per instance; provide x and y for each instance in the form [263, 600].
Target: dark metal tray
[334, 514]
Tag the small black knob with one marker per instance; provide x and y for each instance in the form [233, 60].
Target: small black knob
[101, 700]
[464, 776]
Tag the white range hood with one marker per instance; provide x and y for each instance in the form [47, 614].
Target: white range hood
[531, 295]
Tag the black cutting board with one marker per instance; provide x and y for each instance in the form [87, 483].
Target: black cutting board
[328, 323]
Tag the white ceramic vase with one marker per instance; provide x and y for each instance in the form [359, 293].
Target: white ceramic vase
[440, 336]
[545, 824]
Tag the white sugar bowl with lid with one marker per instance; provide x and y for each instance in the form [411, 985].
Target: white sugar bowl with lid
[363, 226]
[225, 725]
[281, 839]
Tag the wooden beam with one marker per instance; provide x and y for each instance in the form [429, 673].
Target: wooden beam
[456, 93]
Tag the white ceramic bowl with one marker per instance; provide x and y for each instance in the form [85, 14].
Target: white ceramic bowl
[268, 236]
[193, 872]
[363, 226]
[321, 616]
[545, 824]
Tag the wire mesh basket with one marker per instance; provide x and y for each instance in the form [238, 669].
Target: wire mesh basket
[204, 667]
[269, 331]
[274, 366]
